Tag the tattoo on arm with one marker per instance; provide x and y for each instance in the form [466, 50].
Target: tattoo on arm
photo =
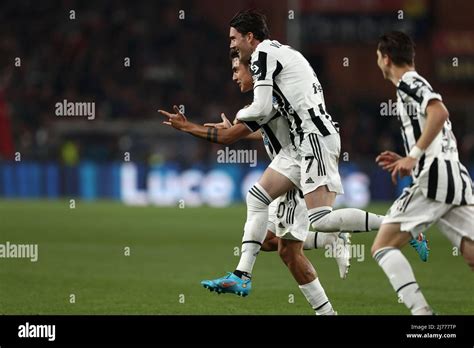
[212, 135]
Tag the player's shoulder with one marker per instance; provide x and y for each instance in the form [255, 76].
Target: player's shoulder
[269, 47]
[413, 81]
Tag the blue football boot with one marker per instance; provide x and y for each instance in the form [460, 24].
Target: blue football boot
[421, 246]
[229, 284]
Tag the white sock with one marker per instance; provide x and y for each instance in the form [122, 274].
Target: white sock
[323, 239]
[255, 228]
[248, 256]
[399, 272]
[310, 243]
[317, 298]
[324, 219]
[316, 240]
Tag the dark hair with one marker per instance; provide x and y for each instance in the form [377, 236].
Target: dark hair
[233, 53]
[251, 21]
[398, 46]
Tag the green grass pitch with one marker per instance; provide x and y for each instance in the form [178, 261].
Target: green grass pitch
[81, 252]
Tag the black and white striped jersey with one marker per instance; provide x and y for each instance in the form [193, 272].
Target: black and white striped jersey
[297, 92]
[439, 173]
[275, 133]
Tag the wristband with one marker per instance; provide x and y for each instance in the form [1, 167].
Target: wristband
[416, 152]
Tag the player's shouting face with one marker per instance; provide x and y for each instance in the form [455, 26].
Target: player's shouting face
[241, 75]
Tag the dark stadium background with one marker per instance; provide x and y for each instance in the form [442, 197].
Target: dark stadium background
[184, 61]
[66, 184]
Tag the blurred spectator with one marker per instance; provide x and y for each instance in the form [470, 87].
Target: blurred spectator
[69, 153]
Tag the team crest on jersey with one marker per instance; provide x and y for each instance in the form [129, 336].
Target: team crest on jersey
[256, 70]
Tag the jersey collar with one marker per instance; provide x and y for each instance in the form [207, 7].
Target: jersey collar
[407, 74]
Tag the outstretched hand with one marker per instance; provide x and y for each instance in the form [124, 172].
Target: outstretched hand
[396, 164]
[177, 120]
[386, 158]
[221, 125]
[404, 166]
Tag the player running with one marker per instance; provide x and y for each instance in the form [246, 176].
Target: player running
[441, 191]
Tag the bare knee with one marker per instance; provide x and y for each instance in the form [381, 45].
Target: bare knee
[390, 235]
[374, 248]
[467, 251]
[379, 244]
[275, 183]
[320, 197]
[469, 260]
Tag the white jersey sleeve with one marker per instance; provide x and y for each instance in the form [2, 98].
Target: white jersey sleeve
[296, 90]
[255, 125]
[263, 66]
[261, 107]
[419, 90]
[427, 94]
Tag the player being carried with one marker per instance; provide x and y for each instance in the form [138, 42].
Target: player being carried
[441, 191]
